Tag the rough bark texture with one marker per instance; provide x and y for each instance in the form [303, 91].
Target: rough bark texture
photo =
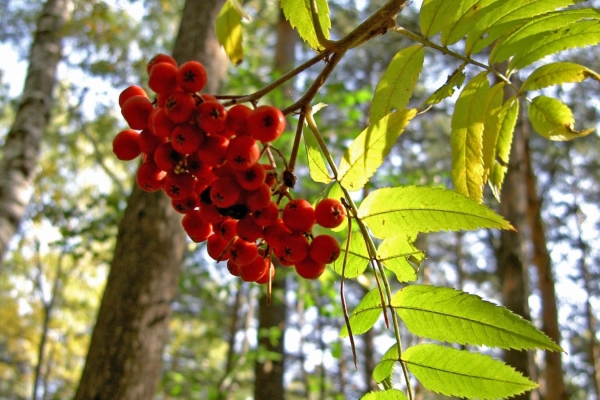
[510, 254]
[268, 373]
[553, 373]
[21, 149]
[125, 355]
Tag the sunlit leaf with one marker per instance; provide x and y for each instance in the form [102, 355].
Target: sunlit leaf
[229, 32]
[508, 118]
[385, 368]
[440, 15]
[358, 257]
[453, 82]
[395, 87]
[460, 373]
[395, 253]
[492, 127]
[391, 394]
[410, 209]
[365, 314]
[554, 120]
[316, 163]
[557, 73]
[537, 29]
[368, 150]
[449, 315]
[297, 12]
[466, 139]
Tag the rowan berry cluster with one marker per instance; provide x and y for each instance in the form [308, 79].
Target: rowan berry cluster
[206, 158]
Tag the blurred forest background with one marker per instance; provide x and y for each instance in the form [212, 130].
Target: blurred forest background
[223, 342]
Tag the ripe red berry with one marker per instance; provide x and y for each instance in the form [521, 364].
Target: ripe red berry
[237, 117]
[149, 176]
[136, 111]
[275, 234]
[259, 198]
[160, 124]
[186, 204]
[213, 149]
[126, 145]
[266, 216]
[249, 230]
[299, 215]
[130, 92]
[242, 152]
[242, 252]
[251, 178]
[163, 78]
[255, 269]
[265, 278]
[191, 76]
[292, 248]
[330, 213]
[216, 247]
[211, 116]
[233, 268]
[227, 228]
[225, 192]
[324, 249]
[179, 107]
[166, 157]
[309, 268]
[196, 227]
[160, 58]
[186, 138]
[179, 186]
[148, 141]
[266, 123]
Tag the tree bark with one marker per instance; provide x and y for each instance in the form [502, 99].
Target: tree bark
[21, 150]
[553, 373]
[510, 255]
[125, 355]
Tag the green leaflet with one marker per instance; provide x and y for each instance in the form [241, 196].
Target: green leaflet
[395, 87]
[395, 253]
[316, 164]
[557, 73]
[391, 394]
[495, 19]
[365, 314]
[229, 32]
[297, 12]
[368, 150]
[491, 127]
[446, 314]
[463, 374]
[466, 139]
[519, 40]
[454, 81]
[385, 368]
[508, 118]
[410, 209]
[553, 119]
[358, 257]
[441, 16]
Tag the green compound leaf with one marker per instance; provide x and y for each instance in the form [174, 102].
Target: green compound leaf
[441, 15]
[557, 73]
[391, 394]
[508, 117]
[449, 315]
[383, 371]
[365, 314]
[495, 18]
[453, 82]
[358, 257]
[460, 373]
[316, 163]
[553, 119]
[297, 12]
[410, 209]
[367, 152]
[395, 87]
[466, 138]
[518, 41]
[229, 32]
[398, 254]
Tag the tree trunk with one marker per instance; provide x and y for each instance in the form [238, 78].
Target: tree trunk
[21, 149]
[125, 355]
[268, 373]
[510, 255]
[553, 372]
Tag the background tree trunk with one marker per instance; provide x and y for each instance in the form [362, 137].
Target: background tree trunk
[21, 150]
[510, 255]
[125, 353]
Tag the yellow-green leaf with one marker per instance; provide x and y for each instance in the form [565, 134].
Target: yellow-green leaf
[466, 138]
[395, 253]
[385, 368]
[519, 41]
[460, 373]
[508, 118]
[491, 127]
[367, 152]
[229, 32]
[441, 15]
[297, 12]
[557, 73]
[409, 210]
[553, 119]
[358, 257]
[390, 394]
[453, 82]
[365, 314]
[316, 163]
[395, 87]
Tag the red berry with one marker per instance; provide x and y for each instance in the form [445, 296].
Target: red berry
[292, 248]
[210, 213]
[130, 92]
[324, 249]
[251, 178]
[227, 228]
[255, 269]
[191, 76]
[259, 198]
[213, 150]
[126, 145]
[242, 252]
[179, 107]
[148, 141]
[159, 124]
[211, 116]
[186, 204]
[309, 268]
[233, 268]
[166, 157]
[186, 138]
[265, 278]
[330, 213]
[159, 58]
[242, 152]
[163, 78]
[149, 176]
[275, 234]
[217, 247]
[196, 227]
[237, 117]
[267, 216]
[249, 230]
[299, 215]
[225, 192]
[179, 186]
[266, 123]
[136, 111]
